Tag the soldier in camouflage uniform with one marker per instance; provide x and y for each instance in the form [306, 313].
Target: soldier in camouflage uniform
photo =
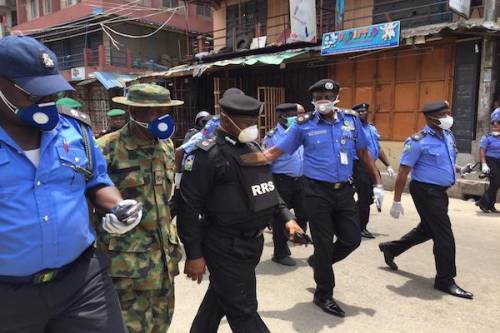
[144, 261]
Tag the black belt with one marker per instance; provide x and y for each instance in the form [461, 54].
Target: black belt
[333, 186]
[286, 177]
[434, 186]
[234, 232]
[44, 276]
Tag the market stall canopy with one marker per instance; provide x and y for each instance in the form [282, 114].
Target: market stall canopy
[114, 80]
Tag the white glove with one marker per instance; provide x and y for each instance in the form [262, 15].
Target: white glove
[378, 194]
[124, 217]
[397, 209]
[177, 179]
[485, 168]
[390, 171]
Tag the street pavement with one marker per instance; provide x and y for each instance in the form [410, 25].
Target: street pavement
[374, 298]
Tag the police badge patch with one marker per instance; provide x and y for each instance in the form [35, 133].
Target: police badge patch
[188, 164]
[406, 148]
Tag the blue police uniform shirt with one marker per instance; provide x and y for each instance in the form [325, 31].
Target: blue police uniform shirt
[373, 138]
[432, 158]
[207, 131]
[290, 165]
[44, 218]
[491, 144]
[329, 147]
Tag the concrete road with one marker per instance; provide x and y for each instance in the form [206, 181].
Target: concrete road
[374, 298]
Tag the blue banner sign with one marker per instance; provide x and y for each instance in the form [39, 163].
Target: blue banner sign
[373, 37]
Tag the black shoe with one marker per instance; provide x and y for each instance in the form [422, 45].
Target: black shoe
[388, 257]
[329, 306]
[310, 261]
[454, 290]
[366, 234]
[285, 261]
[483, 208]
[494, 210]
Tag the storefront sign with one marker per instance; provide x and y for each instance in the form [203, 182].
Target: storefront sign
[461, 7]
[373, 37]
[303, 21]
[78, 74]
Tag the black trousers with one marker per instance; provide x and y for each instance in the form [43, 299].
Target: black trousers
[489, 198]
[232, 290]
[330, 212]
[431, 202]
[292, 191]
[82, 300]
[364, 190]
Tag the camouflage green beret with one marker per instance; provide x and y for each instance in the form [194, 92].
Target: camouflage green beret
[69, 102]
[147, 95]
[115, 113]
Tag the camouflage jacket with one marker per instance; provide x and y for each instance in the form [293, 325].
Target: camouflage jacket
[142, 170]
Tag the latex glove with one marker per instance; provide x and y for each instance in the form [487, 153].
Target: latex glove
[390, 171]
[378, 194]
[177, 180]
[485, 168]
[125, 216]
[397, 209]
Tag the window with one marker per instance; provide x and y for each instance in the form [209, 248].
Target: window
[68, 3]
[47, 7]
[242, 20]
[203, 10]
[32, 9]
[170, 3]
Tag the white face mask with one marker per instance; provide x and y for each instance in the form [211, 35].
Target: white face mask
[495, 133]
[445, 123]
[249, 134]
[325, 106]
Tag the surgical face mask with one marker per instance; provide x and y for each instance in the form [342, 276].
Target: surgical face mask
[290, 121]
[495, 133]
[246, 135]
[161, 128]
[325, 106]
[44, 116]
[445, 123]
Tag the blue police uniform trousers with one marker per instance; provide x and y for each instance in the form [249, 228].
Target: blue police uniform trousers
[80, 299]
[488, 199]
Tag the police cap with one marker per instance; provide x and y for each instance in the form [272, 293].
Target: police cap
[325, 85]
[435, 107]
[240, 105]
[495, 116]
[232, 91]
[363, 107]
[201, 114]
[286, 107]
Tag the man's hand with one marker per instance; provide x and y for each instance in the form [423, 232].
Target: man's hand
[378, 194]
[293, 228]
[397, 210]
[390, 171]
[194, 269]
[125, 216]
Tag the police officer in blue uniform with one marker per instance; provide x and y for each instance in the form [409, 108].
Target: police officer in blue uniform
[200, 121]
[362, 181]
[237, 201]
[331, 138]
[430, 155]
[490, 164]
[51, 277]
[287, 175]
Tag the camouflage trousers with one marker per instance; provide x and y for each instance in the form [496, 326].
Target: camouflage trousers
[147, 311]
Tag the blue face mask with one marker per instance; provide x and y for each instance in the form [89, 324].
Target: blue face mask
[291, 121]
[43, 116]
[161, 128]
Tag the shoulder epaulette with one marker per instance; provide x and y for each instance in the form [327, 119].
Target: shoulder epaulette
[418, 136]
[304, 118]
[206, 144]
[75, 114]
[271, 133]
[350, 112]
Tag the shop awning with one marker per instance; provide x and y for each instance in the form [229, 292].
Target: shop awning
[197, 70]
[114, 80]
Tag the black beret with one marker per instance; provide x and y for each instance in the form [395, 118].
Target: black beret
[435, 107]
[242, 105]
[286, 107]
[232, 91]
[325, 85]
[361, 107]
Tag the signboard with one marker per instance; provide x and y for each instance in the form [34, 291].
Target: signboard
[373, 37]
[78, 74]
[303, 21]
[461, 7]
